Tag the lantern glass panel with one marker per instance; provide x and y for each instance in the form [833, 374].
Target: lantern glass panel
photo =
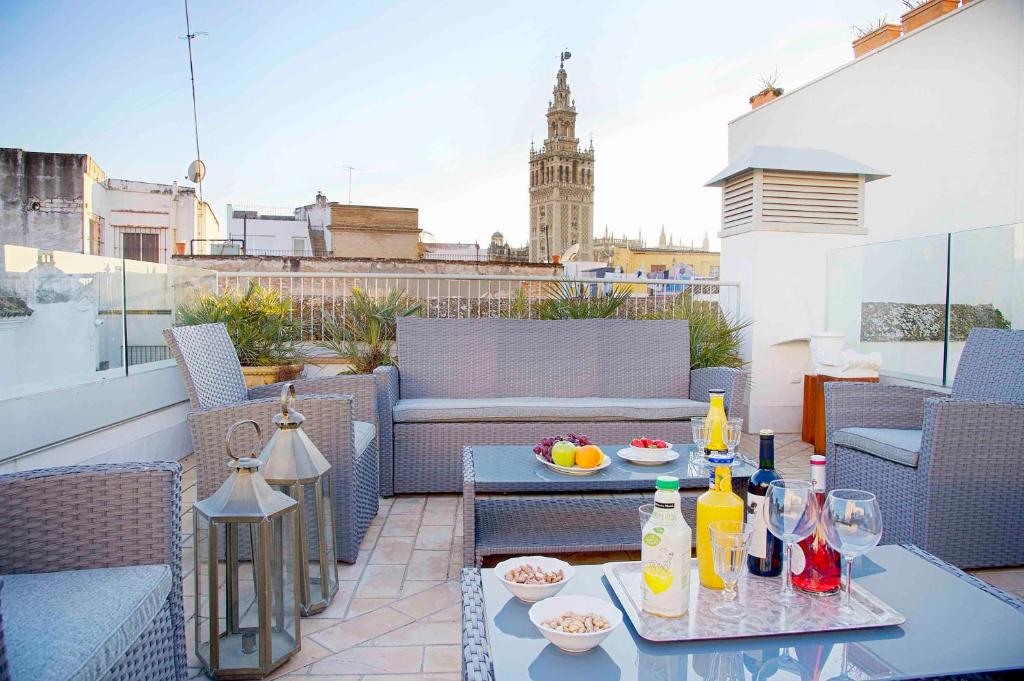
[327, 506]
[283, 608]
[238, 606]
[202, 595]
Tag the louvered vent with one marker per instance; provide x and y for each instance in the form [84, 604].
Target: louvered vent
[812, 198]
[738, 201]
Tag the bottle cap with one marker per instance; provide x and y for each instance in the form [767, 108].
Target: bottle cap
[716, 391]
[817, 460]
[767, 432]
[720, 459]
[667, 482]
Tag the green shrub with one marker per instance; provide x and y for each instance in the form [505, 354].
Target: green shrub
[715, 339]
[365, 333]
[570, 300]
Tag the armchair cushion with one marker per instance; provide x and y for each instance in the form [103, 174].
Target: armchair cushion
[899, 445]
[427, 410]
[77, 624]
[364, 435]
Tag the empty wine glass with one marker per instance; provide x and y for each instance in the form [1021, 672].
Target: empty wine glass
[701, 431]
[853, 526]
[729, 542]
[792, 515]
[733, 433]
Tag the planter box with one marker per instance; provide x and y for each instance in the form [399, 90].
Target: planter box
[762, 98]
[872, 41]
[257, 376]
[929, 11]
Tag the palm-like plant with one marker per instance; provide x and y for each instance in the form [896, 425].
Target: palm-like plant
[259, 323]
[574, 300]
[715, 338]
[365, 334]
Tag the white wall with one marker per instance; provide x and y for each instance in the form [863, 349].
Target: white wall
[269, 234]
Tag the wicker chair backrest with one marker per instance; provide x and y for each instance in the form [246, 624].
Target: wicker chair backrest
[481, 358]
[991, 368]
[209, 365]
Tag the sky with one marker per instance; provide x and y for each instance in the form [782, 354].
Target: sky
[435, 102]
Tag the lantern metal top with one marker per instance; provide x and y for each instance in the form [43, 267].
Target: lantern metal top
[245, 497]
[291, 457]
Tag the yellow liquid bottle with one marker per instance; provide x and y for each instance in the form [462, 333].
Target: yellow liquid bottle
[716, 420]
[718, 503]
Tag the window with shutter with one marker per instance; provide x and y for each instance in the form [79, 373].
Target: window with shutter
[145, 247]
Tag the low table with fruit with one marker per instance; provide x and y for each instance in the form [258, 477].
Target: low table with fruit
[517, 502]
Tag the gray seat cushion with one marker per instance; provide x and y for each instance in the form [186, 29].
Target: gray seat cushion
[546, 409]
[75, 625]
[364, 434]
[902, 446]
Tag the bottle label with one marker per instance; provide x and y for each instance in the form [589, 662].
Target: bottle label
[758, 523]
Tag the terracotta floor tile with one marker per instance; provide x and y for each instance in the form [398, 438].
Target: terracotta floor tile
[401, 526]
[359, 606]
[360, 629]
[366, 660]
[434, 537]
[310, 652]
[450, 614]
[428, 565]
[408, 504]
[338, 606]
[446, 676]
[370, 538]
[430, 601]
[423, 634]
[412, 587]
[392, 551]
[352, 571]
[442, 658]
[381, 581]
[441, 516]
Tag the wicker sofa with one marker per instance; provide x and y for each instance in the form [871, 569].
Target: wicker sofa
[91, 574]
[341, 418]
[515, 381]
[944, 467]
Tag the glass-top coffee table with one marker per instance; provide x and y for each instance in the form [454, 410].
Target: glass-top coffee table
[513, 504]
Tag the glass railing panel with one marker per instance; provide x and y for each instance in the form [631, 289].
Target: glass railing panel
[986, 284]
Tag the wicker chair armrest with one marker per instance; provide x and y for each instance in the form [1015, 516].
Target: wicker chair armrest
[81, 517]
[361, 386]
[872, 405]
[387, 385]
[476, 651]
[954, 428]
[732, 381]
[387, 398]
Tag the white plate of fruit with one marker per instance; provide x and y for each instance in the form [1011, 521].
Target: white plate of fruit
[648, 451]
[572, 455]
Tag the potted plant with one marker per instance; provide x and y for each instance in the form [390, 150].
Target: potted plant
[716, 339]
[260, 325]
[769, 91]
[874, 35]
[920, 12]
[364, 335]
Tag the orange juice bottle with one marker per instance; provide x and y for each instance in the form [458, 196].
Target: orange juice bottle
[718, 503]
[716, 420]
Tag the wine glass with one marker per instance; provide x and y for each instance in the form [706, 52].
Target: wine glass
[701, 432]
[733, 433]
[729, 542]
[792, 516]
[853, 525]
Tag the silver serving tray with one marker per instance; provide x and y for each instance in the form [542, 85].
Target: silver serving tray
[765, 617]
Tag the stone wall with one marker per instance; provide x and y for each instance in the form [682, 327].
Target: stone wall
[42, 199]
[271, 264]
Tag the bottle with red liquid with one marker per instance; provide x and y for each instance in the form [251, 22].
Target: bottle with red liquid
[816, 564]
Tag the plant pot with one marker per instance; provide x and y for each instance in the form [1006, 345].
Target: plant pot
[257, 376]
[763, 97]
[555, 259]
[872, 41]
[179, 248]
[929, 11]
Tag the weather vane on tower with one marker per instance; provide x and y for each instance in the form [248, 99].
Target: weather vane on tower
[566, 54]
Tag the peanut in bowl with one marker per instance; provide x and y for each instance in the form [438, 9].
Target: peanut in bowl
[575, 624]
[533, 578]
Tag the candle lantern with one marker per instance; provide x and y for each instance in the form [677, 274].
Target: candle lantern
[292, 464]
[247, 612]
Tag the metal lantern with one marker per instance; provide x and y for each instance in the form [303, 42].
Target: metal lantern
[247, 595]
[292, 464]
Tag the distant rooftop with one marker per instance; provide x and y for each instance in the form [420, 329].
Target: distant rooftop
[794, 159]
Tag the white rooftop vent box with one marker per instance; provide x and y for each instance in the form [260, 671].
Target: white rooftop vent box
[786, 189]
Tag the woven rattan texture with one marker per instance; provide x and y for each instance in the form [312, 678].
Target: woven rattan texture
[480, 358]
[991, 367]
[329, 426]
[387, 398]
[208, 363]
[428, 456]
[99, 516]
[476, 652]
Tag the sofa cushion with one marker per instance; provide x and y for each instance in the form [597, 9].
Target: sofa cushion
[546, 409]
[77, 624]
[364, 434]
[899, 445]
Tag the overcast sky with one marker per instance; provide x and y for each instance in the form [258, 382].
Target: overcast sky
[435, 101]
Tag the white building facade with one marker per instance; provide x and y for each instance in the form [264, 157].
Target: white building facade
[261, 230]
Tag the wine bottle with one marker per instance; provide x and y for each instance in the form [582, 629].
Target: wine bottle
[765, 557]
[816, 564]
[718, 503]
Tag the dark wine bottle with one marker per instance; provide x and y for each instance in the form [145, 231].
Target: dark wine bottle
[765, 556]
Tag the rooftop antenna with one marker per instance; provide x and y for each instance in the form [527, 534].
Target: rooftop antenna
[350, 169]
[197, 170]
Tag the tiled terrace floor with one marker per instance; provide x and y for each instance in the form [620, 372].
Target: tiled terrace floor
[397, 612]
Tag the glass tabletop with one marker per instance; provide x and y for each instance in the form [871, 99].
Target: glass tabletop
[509, 468]
[952, 627]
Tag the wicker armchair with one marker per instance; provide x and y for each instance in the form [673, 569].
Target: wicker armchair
[341, 419]
[107, 523]
[942, 466]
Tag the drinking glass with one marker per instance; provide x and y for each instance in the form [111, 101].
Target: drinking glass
[729, 542]
[792, 515]
[701, 431]
[645, 514]
[853, 526]
[733, 433]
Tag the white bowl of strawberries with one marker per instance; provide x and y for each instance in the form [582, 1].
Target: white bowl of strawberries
[647, 445]
[648, 451]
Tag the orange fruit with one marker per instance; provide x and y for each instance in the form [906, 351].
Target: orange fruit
[589, 456]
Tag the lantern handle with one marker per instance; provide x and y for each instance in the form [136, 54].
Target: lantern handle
[287, 399]
[259, 438]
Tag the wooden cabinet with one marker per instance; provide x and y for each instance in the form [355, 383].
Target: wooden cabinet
[814, 408]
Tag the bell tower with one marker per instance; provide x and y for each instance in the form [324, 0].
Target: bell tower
[561, 181]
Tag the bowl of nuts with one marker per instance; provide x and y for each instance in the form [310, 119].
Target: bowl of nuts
[575, 624]
[532, 578]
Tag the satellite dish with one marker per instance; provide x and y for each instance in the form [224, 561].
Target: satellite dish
[571, 253]
[196, 171]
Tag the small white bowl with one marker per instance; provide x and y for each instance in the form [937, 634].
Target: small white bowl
[647, 451]
[551, 608]
[531, 593]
